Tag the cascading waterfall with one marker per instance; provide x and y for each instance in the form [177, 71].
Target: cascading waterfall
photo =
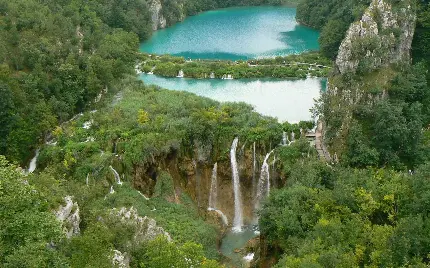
[87, 179]
[116, 175]
[33, 163]
[213, 196]
[284, 138]
[293, 136]
[238, 219]
[263, 188]
[180, 74]
[112, 191]
[221, 215]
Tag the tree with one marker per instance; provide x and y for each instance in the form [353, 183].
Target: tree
[29, 231]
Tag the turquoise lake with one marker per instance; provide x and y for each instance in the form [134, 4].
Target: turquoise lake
[287, 100]
[240, 33]
[235, 33]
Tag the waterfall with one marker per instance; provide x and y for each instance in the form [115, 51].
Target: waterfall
[293, 136]
[112, 191]
[221, 215]
[87, 179]
[284, 138]
[213, 196]
[212, 75]
[180, 74]
[238, 220]
[33, 163]
[263, 188]
[116, 175]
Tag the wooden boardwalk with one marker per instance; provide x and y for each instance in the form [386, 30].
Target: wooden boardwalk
[319, 144]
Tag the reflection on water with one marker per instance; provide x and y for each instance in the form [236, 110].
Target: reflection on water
[287, 100]
[235, 241]
[235, 33]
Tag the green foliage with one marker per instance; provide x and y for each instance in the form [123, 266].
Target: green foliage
[58, 58]
[162, 253]
[28, 229]
[300, 66]
[361, 218]
[333, 17]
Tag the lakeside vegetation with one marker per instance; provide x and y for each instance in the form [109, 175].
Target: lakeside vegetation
[369, 210]
[292, 66]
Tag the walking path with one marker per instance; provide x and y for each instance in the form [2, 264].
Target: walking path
[319, 144]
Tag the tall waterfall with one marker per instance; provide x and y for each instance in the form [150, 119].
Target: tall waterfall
[116, 175]
[33, 163]
[293, 136]
[238, 219]
[263, 188]
[284, 138]
[213, 196]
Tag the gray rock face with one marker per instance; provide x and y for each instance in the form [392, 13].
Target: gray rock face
[120, 260]
[69, 216]
[146, 228]
[158, 20]
[382, 36]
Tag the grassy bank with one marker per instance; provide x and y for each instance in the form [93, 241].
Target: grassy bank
[292, 66]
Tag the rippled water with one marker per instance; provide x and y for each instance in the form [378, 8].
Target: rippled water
[235, 33]
[288, 100]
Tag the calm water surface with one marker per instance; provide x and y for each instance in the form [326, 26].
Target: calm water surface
[235, 33]
[288, 100]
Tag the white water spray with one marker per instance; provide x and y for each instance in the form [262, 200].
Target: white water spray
[254, 168]
[116, 175]
[263, 188]
[238, 219]
[221, 215]
[33, 163]
[284, 138]
[180, 74]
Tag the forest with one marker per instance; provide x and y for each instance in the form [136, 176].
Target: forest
[68, 86]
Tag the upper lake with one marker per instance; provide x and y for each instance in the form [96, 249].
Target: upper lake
[235, 33]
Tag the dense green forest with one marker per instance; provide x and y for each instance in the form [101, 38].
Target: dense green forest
[332, 17]
[57, 57]
[368, 210]
[295, 66]
[73, 57]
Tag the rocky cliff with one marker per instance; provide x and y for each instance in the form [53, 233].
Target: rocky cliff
[382, 36]
[194, 176]
[158, 19]
[381, 39]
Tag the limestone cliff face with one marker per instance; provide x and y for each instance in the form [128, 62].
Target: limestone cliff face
[158, 20]
[193, 175]
[69, 216]
[382, 36]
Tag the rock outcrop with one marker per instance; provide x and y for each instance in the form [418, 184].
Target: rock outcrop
[69, 216]
[146, 229]
[120, 260]
[158, 20]
[382, 36]
[380, 39]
